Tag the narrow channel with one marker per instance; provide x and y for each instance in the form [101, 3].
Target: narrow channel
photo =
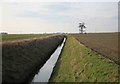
[45, 72]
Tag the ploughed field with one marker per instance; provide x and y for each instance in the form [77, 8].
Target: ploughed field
[21, 60]
[105, 44]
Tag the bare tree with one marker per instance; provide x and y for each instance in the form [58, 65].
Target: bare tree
[81, 28]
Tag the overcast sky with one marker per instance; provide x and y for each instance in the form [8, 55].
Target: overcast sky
[37, 17]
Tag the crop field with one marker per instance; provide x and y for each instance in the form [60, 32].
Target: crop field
[78, 63]
[105, 44]
[10, 37]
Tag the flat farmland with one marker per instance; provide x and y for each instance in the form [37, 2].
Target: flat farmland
[105, 44]
[11, 37]
[84, 57]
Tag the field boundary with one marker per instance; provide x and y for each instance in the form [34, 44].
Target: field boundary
[98, 52]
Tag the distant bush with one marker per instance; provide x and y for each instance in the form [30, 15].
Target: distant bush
[3, 33]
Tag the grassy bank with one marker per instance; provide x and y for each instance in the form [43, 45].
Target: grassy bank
[11, 37]
[80, 64]
[105, 44]
[21, 60]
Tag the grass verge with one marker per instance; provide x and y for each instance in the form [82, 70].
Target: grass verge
[80, 64]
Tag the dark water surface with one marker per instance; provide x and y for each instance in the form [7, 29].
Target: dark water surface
[45, 72]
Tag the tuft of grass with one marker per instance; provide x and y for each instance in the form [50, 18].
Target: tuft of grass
[78, 63]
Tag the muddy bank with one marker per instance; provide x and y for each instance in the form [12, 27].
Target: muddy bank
[21, 60]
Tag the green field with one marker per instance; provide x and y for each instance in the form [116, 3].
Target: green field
[78, 63]
[11, 37]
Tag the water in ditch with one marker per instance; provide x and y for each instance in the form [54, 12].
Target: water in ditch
[46, 71]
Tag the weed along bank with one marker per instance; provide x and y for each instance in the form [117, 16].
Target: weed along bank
[22, 60]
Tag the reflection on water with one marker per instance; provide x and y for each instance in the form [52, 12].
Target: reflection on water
[46, 71]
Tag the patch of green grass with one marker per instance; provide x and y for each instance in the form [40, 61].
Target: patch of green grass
[10, 37]
[80, 64]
